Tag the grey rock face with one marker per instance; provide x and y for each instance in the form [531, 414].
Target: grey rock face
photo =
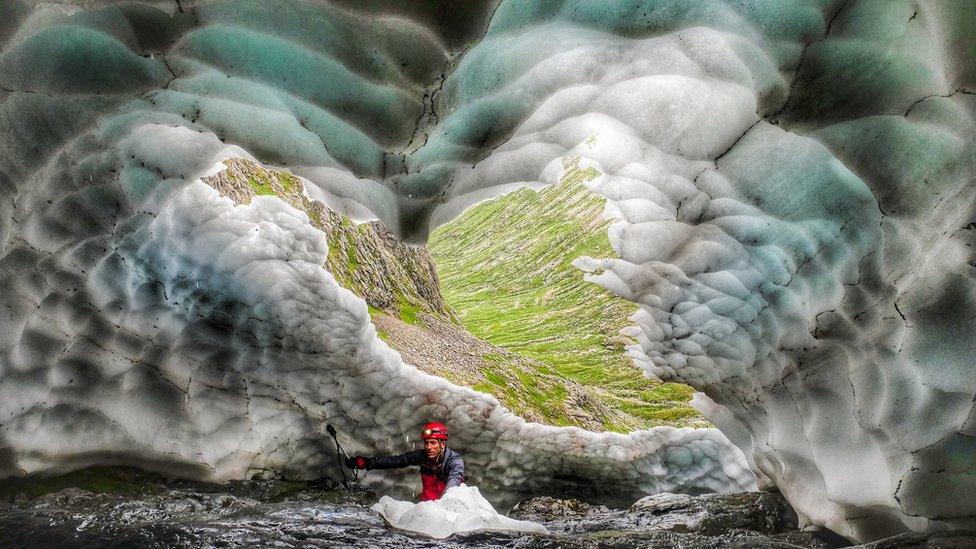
[365, 258]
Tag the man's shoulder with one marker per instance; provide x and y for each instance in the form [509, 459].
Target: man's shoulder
[452, 455]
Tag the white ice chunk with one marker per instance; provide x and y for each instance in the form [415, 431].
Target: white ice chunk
[460, 509]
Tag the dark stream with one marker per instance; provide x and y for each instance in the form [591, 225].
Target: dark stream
[107, 508]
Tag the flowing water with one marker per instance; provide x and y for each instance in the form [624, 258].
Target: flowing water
[99, 509]
[107, 508]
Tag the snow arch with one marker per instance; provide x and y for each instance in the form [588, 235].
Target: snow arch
[791, 182]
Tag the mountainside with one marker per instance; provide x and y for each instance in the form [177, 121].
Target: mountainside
[518, 323]
[505, 268]
[401, 286]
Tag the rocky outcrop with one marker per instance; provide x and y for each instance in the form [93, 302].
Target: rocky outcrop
[364, 257]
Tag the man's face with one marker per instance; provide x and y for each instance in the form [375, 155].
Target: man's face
[434, 448]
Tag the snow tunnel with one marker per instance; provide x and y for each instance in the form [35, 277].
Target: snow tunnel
[787, 182]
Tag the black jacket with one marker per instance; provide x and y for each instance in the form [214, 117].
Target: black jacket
[450, 468]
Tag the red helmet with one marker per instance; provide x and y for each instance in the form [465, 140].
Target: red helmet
[434, 429]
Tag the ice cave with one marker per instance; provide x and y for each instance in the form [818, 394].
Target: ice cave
[784, 184]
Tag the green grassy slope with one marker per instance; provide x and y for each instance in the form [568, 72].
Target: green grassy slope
[505, 269]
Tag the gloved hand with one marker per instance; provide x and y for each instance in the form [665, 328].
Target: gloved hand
[357, 462]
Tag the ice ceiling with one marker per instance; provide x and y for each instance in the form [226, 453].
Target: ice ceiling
[793, 183]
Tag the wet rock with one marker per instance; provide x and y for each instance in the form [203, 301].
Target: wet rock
[660, 503]
[748, 519]
[107, 508]
[941, 540]
[548, 509]
[757, 511]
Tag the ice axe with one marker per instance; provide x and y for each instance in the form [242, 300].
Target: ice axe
[355, 474]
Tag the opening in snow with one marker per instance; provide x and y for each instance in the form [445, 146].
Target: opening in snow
[494, 301]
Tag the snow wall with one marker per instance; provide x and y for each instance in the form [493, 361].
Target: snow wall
[792, 182]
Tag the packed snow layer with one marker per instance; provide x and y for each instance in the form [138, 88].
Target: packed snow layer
[208, 339]
[461, 509]
[792, 183]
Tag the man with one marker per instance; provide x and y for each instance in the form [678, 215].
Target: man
[440, 467]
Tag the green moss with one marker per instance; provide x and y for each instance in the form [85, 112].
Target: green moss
[316, 216]
[260, 186]
[494, 378]
[407, 311]
[524, 390]
[289, 183]
[352, 260]
[487, 388]
[99, 480]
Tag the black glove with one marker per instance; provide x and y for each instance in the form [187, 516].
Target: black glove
[357, 462]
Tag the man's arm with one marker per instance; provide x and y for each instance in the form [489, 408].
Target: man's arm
[395, 462]
[455, 471]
